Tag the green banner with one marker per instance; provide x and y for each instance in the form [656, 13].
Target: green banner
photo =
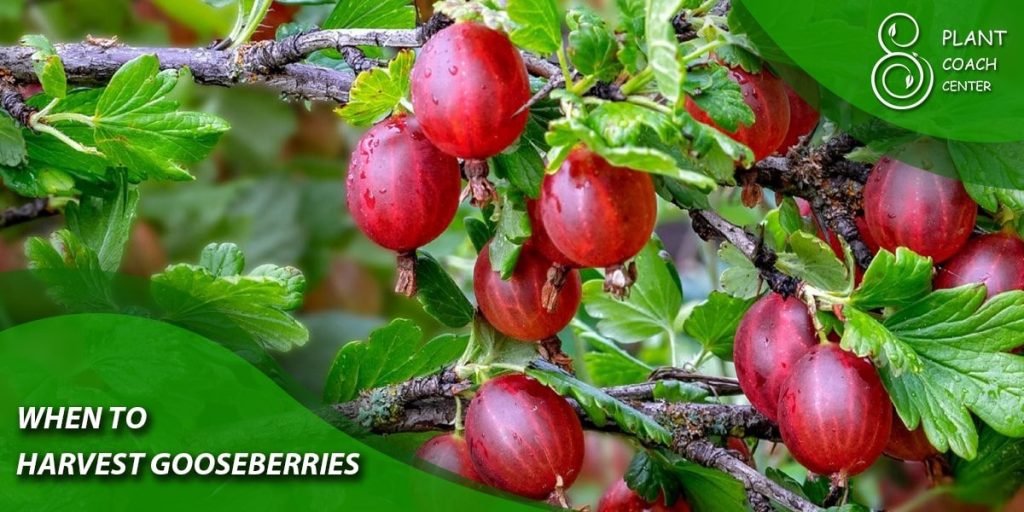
[143, 412]
[951, 70]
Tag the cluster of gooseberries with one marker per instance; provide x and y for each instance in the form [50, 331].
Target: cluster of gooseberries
[469, 86]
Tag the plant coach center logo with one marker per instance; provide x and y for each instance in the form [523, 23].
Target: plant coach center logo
[919, 77]
[902, 79]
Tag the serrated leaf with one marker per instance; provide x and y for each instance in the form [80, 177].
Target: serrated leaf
[813, 261]
[598, 405]
[652, 476]
[12, 144]
[257, 304]
[663, 48]
[523, 168]
[677, 391]
[592, 46]
[377, 92]
[391, 354]
[894, 280]
[713, 322]
[440, 296]
[961, 341]
[293, 279]
[539, 27]
[721, 98]
[490, 346]
[607, 364]
[679, 194]
[71, 271]
[103, 222]
[714, 150]
[652, 305]
[138, 127]
[741, 279]
[48, 66]
[222, 260]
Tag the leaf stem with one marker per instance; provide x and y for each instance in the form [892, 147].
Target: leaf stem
[672, 346]
[638, 81]
[69, 116]
[701, 50]
[77, 146]
[583, 85]
[649, 103]
[563, 62]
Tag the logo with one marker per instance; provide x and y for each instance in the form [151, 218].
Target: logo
[901, 80]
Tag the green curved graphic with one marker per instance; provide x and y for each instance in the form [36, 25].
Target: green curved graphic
[200, 397]
[952, 70]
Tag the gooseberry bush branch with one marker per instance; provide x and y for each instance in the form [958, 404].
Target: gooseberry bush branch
[650, 96]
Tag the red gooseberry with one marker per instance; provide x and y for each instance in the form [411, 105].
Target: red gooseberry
[523, 437]
[803, 118]
[906, 444]
[449, 452]
[516, 306]
[597, 214]
[469, 85]
[995, 260]
[773, 334]
[929, 214]
[834, 413]
[620, 498]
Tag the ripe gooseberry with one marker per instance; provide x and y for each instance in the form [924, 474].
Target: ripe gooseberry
[620, 498]
[523, 437]
[834, 413]
[773, 334]
[516, 306]
[803, 118]
[765, 94]
[451, 453]
[929, 214]
[469, 84]
[995, 260]
[905, 444]
[597, 214]
[402, 191]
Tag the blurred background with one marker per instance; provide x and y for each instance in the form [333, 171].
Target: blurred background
[275, 187]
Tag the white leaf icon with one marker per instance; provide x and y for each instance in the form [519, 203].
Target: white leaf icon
[910, 81]
[892, 30]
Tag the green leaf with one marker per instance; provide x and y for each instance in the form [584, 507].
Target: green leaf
[813, 261]
[12, 145]
[103, 222]
[488, 346]
[539, 28]
[742, 278]
[607, 364]
[738, 51]
[719, 97]
[663, 49]
[72, 272]
[212, 302]
[713, 322]
[652, 305]
[391, 354]
[652, 476]
[378, 92]
[479, 232]
[710, 490]
[523, 168]
[678, 391]
[372, 14]
[592, 46]
[995, 165]
[512, 231]
[995, 474]
[48, 66]
[716, 151]
[961, 341]
[632, 54]
[894, 280]
[440, 296]
[138, 127]
[679, 194]
[222, 260]
[598, 405]
[622, 124]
